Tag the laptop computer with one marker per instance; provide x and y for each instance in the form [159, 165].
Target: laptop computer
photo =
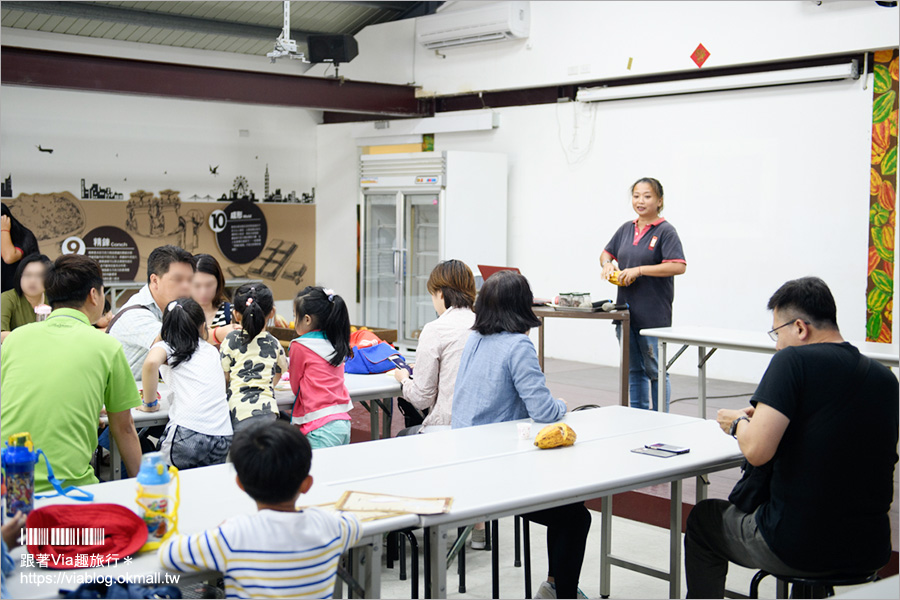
[486, 270]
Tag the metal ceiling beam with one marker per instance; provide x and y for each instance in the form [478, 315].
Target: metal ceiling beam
[397, 7]
[148, 18]
[20, 66]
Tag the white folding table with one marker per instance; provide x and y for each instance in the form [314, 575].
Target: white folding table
[491, 473]
[734, 339]
[209, 495]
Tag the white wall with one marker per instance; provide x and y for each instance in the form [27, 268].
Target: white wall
[763, 186]
[596, 39]
[154, 143]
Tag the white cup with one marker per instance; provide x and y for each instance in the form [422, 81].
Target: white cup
[524, 431]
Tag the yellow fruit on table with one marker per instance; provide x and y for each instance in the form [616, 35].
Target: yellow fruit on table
[555, 436]
[353, 329]
[291, 325]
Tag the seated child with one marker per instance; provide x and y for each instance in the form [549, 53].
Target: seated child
[322, 402]
[278, 552]
[252, 358]
[199, 429]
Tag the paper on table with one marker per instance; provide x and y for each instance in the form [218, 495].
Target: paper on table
[364, 501]
[362, 515]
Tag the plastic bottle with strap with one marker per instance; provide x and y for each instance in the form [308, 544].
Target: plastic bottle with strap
[19, 458]
[158, 505]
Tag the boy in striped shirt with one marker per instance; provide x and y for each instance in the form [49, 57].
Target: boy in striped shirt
[278, 552]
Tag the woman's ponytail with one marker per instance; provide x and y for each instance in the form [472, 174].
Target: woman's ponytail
[181, 329]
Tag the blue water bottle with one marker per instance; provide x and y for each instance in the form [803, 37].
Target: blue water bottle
[19, 459]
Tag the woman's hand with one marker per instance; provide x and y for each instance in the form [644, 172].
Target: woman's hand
[628, 276]
[608, 269]
[401, 375]
[5, 223]
[148, 409]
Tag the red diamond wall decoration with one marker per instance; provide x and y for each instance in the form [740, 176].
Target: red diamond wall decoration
[700, 55]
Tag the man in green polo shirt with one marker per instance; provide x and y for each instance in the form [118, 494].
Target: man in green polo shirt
[58, 374]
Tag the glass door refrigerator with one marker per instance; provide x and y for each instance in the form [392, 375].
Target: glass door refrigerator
[417, 210]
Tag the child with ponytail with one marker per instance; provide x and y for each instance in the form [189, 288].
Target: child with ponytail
[253, 359]
[199, 430]
[317, 367]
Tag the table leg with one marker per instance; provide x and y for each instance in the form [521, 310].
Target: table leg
[624, 366]
[675, 540]
[661, 380]
[370, 559]
[495, 559]
[605, 544]
[541, 343]
[437, 540]
[372, 407]
[387, 413]
[115, 459]
[701, 381]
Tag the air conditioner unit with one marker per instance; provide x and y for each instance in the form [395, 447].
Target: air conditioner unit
[492, 22]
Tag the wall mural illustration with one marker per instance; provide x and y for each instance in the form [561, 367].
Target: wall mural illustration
[882, 200]
[160, 217]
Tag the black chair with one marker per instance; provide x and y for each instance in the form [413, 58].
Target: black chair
[809, 587]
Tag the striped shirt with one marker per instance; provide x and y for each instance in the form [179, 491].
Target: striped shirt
[269, 554]
[219, 319]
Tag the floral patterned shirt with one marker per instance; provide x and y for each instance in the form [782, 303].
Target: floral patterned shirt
[251, 368]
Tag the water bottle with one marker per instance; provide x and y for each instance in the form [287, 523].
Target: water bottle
[158, 496]
[18, 461]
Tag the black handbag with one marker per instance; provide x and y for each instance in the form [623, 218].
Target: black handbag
[752, 489]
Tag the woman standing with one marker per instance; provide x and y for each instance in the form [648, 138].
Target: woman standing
[649, 254]
[208, 290]
[16, 242]
[17, 305]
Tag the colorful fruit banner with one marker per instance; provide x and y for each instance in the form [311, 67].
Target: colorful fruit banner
[882, 201]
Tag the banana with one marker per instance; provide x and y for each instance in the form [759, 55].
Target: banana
[554, 436]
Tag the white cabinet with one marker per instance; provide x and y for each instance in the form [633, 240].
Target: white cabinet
[417, 210]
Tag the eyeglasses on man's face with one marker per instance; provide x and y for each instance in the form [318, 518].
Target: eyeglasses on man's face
[773, 333]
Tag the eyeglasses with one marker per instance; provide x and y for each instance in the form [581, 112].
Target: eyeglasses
[773, 333]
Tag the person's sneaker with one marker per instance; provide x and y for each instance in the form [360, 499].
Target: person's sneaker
[548, 590]
[478, 540]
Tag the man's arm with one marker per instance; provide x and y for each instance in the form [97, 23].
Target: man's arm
[121, 427]
[759, 436]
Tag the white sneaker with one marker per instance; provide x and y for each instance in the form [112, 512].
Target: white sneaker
[548, 590]
[478, 541]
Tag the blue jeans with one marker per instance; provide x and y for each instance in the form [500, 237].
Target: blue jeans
[643, 370]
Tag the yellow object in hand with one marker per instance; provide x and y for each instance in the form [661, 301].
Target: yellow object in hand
[614, 278]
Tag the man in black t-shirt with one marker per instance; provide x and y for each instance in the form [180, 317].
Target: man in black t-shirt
[826, 419]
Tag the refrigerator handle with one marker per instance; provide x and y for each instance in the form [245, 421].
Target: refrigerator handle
[397, 254]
